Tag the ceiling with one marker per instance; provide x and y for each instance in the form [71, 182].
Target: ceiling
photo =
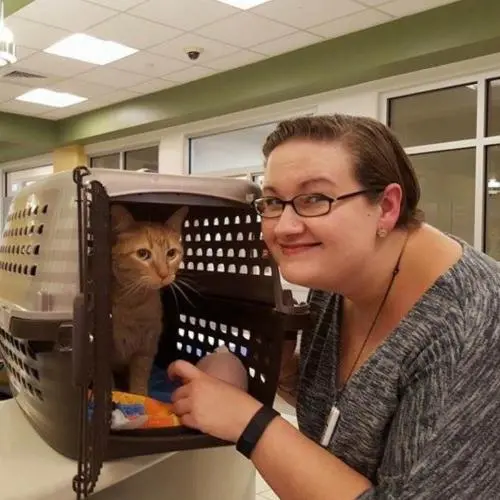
[162, 30]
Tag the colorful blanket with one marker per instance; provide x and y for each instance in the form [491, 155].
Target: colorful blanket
[131, 411]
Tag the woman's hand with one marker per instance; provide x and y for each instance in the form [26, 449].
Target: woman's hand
[209, 404]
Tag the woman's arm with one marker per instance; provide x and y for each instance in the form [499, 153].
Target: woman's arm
[447, 428]
[296, 468]
[293, 465]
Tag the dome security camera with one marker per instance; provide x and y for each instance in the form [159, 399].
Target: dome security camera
[193, 52]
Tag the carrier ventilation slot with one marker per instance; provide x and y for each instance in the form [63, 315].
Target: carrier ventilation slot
[20, 235]
[21, 363]
[228, 245]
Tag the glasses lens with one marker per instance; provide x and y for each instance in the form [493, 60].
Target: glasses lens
[269, 207]
[312, 205]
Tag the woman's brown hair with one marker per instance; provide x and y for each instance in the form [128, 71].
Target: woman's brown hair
[379, 158]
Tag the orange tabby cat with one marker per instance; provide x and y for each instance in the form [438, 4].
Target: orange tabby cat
[145, 258]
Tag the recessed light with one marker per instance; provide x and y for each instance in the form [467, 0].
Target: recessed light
[90, 49]
[244, 4]
[50, 98]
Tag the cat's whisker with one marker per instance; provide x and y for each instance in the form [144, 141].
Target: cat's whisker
[186, 279]
[188, 286]
[134, 286]
[175, 299]
[181, 291]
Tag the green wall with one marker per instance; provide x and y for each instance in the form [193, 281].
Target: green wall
[462, 30]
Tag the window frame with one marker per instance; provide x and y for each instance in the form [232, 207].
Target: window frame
[480, 142]
[121, 152]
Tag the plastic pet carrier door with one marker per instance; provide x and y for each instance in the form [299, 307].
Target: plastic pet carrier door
[55, 303]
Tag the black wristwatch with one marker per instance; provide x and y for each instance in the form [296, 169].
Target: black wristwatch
[254, 430]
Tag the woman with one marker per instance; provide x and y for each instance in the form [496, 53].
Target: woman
[398, 393]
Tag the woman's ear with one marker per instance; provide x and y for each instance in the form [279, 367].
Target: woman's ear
[390, 208]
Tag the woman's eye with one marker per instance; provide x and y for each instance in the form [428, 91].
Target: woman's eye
[171, 253]
[273, 202]
[143, 254]
[312, 198]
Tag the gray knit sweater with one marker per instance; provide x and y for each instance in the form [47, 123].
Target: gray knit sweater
[421, 418]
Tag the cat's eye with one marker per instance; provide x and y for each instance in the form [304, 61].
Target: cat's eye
[172, 252]
[143, 254]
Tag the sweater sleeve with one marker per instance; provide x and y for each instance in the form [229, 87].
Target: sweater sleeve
[448, 428]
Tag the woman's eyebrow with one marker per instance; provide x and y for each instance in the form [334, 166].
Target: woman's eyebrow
[272, 191]
[316, 180]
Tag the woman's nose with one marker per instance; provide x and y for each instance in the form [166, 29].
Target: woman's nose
[289, 223]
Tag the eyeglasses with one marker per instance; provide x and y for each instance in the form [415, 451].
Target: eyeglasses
[305, 205]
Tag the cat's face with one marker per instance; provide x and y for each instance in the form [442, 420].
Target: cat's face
[146, 254]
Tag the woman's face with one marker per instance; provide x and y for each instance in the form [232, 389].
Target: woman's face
[318, 252]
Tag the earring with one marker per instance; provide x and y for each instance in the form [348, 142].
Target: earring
[381, 232]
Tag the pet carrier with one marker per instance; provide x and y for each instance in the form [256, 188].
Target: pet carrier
[55, 308]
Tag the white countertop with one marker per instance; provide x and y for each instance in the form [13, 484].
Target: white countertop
[32, 470]
[44, 474]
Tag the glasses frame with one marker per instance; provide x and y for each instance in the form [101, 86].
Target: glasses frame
[331, 200]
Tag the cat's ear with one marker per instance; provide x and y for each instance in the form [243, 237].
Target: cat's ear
[121, 218]
[176, 220]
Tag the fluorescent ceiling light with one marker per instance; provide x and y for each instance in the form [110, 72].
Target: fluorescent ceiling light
[90, 49]
[51, 98]
[244, 4]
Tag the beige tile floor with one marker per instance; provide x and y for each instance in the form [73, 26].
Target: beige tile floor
[262, 489]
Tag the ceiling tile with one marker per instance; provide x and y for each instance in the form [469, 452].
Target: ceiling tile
[23, 52]
[119, 4]
[61, 14]
[355, 22]
[241, 58]
[117, 96]
[245, 29]
[82, 88]
[33, 35]
[114, 97]
[9, 91]
[43, 63]
[190, 74]
[402, 8]
[133, 31]
[305, 13]
[112, 77]
[287, 43]
[211, 48]
[372, 3]
[186, 15]
[151, 65]
[24, 108]
[154, 85]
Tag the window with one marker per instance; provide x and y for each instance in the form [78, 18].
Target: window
[139, 159]
[452, 135]
[436, 116]
[448, 205]
[492, 242]
[493, 113]
[106, 161]
[228, 153]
